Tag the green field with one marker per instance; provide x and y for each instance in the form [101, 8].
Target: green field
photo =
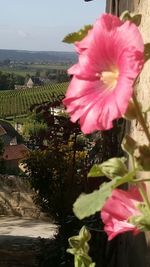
[17, 71]
[31, 69]
[15, 103]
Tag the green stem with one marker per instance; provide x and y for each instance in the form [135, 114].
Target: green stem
[133, 162]
[144, 195]
[141, 118]
[140, 180]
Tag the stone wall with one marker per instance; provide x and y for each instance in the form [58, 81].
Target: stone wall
[134, 250]
[16, 198]
[143, 88]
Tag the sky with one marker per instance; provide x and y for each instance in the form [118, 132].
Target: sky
[41, 25]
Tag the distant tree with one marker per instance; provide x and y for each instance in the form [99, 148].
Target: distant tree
[19, 80]
[38, 73]
[10, 81]
[35, 131]
[5, 81]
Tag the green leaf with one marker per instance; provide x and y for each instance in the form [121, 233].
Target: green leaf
[71, 251]
[141, 221]
[80, 240]
[135, 18]
[75, 242]
[111, 168]
[84, 234]
[77, 36]
[125, 15]
[82, 261]
[89, 204]
[96, 171]
[129, 144]
[80, 248]
[147, 52]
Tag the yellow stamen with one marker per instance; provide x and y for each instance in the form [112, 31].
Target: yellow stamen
[110, 78]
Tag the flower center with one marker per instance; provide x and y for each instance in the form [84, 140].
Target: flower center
[110, 78]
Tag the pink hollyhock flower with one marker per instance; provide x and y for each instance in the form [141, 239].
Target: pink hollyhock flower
[118, 209]
[110, 58]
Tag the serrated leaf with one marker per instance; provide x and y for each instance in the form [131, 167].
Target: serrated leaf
[89, 204]
[111, 168]
[129, 144]
[135, 18]
[77, 36]
[146, 52]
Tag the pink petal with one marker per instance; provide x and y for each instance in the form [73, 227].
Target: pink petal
[83, 45]
[118, 209]
[105, 48]
[118, 227]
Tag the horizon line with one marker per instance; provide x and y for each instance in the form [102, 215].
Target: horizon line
[26, 50]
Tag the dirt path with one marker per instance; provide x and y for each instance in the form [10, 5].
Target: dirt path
[16, 226]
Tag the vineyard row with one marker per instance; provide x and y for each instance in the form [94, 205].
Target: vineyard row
[18, 102]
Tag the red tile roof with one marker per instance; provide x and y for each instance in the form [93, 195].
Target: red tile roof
[12, 152]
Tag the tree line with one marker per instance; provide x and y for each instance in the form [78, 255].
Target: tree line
[9, 80]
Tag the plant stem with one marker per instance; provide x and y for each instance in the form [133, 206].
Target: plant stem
[141, 118]
[133, 162]
[140, 180]
[144, 195]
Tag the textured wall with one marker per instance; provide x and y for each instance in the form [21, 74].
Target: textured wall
[135, 250]
[143, 89]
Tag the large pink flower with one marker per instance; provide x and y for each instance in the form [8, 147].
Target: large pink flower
[118, 209]
[110, 58]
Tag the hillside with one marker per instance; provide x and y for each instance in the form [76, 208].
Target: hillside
[37, 56]
[18, 102]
